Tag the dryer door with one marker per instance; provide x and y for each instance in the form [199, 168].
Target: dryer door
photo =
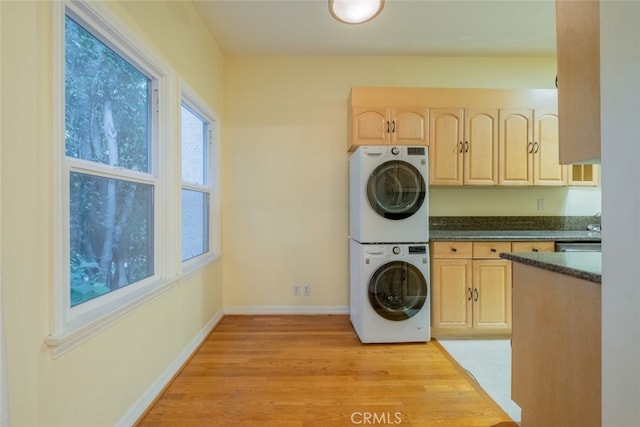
[396, 190]
[397, 291]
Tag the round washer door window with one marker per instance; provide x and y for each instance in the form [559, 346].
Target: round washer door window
[396, 190]
[397, 291]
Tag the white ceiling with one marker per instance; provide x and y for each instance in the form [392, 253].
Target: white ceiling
[405, 27]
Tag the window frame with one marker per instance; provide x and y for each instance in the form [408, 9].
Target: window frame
[193, 102]
[72, 325]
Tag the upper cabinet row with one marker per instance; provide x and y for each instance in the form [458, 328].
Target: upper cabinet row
[512, 140]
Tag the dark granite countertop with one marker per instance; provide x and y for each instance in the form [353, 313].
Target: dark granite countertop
[583, 265]
[514, 228]
[515, 235]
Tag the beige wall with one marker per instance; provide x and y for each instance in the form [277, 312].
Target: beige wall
[286, 189]
[97, 383]
[284, 199]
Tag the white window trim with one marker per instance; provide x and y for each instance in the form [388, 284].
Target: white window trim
[72, 326]
[191, 99]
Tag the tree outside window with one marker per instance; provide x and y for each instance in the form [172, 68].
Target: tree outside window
[108, 149]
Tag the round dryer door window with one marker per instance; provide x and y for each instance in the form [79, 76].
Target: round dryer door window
[396, 190]
[397, 291]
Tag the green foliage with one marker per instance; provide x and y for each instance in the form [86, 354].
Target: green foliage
[86, 280]
[111, 221]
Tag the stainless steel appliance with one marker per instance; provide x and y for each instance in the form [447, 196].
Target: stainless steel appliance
[578, 247]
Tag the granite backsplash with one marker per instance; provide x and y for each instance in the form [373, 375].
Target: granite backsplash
[445, 223]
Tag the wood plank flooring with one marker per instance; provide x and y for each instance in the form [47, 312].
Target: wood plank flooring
[309, 371]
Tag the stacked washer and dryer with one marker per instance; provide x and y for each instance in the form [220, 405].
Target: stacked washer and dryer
[389, 244]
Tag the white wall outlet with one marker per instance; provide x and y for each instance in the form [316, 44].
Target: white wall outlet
[296, 290]
[540, 204]
[306, 290]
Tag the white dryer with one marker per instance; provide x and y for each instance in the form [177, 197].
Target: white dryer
[388, 192]
[390, 293]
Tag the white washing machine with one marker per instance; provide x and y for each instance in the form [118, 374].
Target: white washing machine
[388, 194]
[390, 293]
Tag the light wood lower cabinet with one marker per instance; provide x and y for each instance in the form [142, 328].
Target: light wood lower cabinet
[471, 286]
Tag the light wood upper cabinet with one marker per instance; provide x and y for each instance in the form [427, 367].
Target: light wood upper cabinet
[386, 125]
[578, 62]
[516, 147]
[584, 175]
[463, 146]
[547, 169]
[446, 151]
[529, 148]
[481, 147]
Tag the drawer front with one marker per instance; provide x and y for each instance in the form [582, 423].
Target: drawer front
[452, 249]
[533, 246]
[490, 249]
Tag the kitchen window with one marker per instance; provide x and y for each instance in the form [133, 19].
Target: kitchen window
[110, 192]
[199, 201]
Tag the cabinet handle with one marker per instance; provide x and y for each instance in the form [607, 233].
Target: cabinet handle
[530, 148]
[534, 250]
[454, 250]
[476, 292]
[388, 127]
[466, 146]
[393, 129]
[470, 295]
[494, 250]
[461, 147]
[536, 147]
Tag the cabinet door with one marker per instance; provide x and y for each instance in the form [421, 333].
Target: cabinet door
[516, 147]
[446, 146]
[409, 126]
[583, 175]
[481, 147]
[369, 126]
[578, 53]
[451, 293]
[547, 169]
[491, 294]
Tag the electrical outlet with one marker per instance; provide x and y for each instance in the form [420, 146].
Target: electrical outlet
[296, 290]
[307, 290]
[540, 204]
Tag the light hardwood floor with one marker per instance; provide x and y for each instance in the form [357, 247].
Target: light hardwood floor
[312, 371]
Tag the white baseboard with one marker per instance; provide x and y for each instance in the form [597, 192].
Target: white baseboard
[286, 309]
[139, 408]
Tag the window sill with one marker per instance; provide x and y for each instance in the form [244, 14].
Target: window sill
[191, 266]
[64, 341]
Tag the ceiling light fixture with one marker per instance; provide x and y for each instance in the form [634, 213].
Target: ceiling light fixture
[355, 11]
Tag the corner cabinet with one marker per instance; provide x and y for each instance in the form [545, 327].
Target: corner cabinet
[388, 126]
[578, 82]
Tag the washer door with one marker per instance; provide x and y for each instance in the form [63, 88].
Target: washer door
[396, 190]
[397, 291]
